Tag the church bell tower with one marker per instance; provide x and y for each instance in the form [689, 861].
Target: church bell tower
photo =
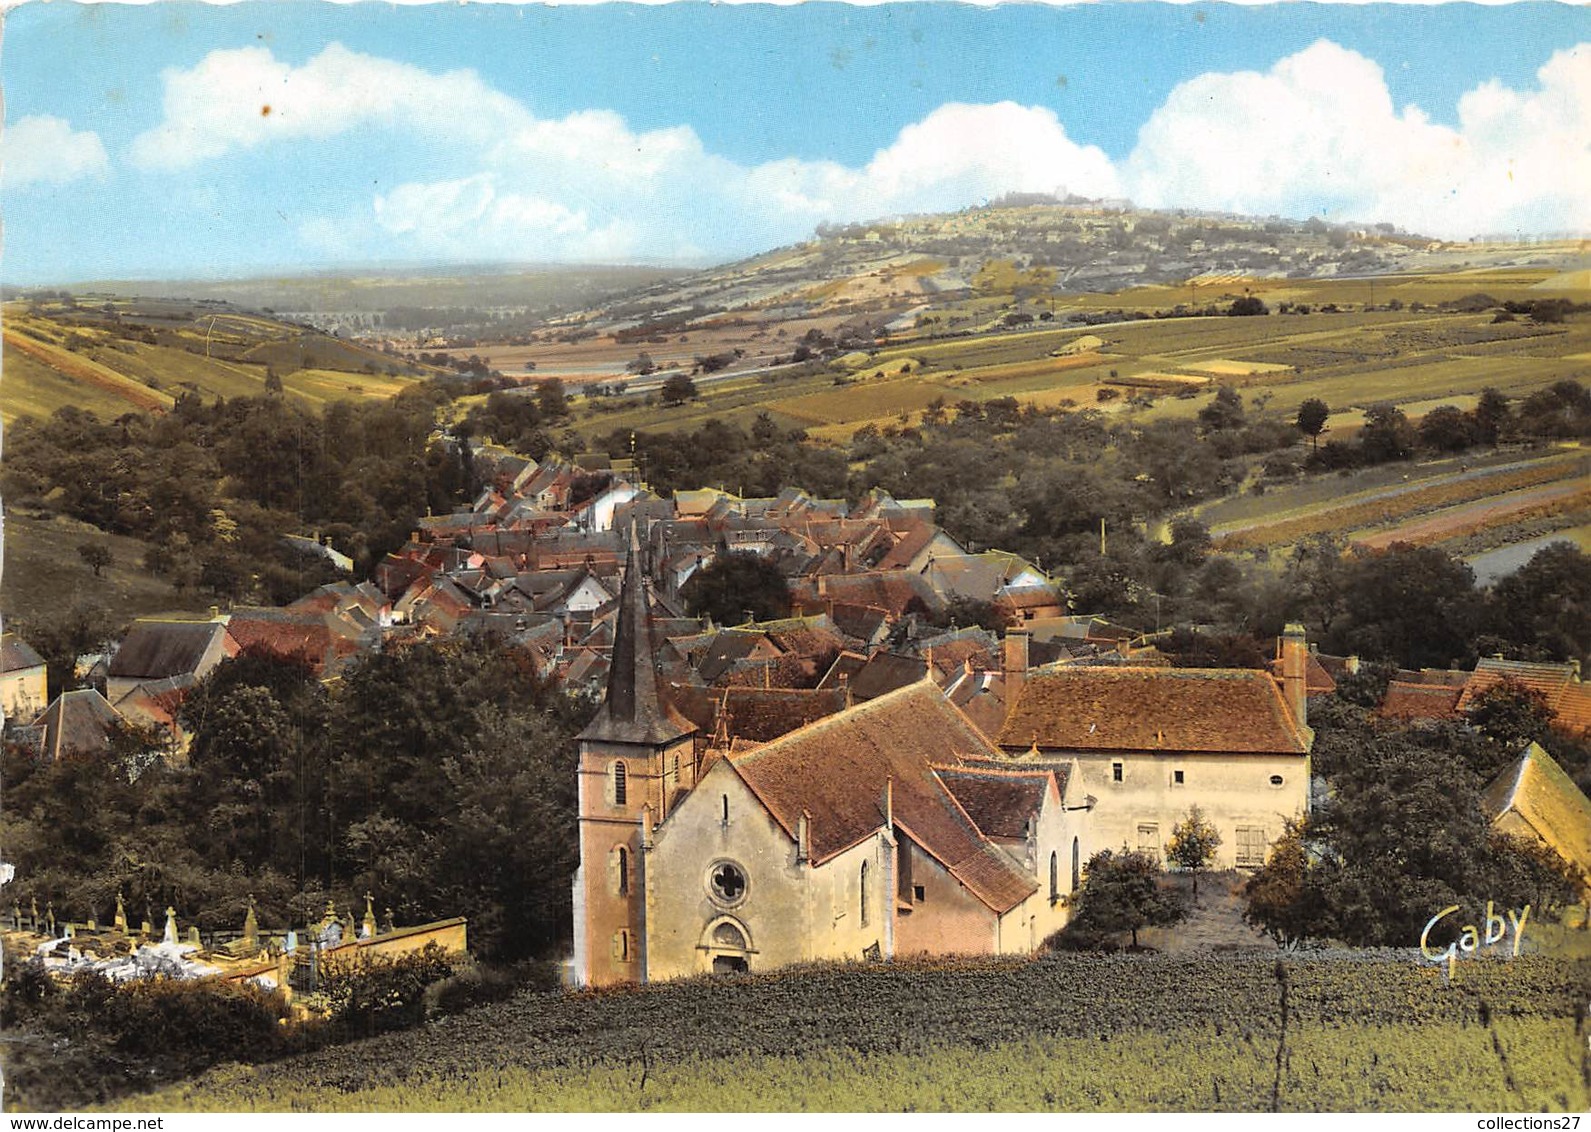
[636, 757]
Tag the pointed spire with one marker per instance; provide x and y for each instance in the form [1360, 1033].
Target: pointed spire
[633, 710]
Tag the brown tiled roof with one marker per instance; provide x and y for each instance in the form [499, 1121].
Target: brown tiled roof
[758, 714]
[1574, 710]
[1029, 597]
[999, 801]
[846, 665]
[77, 723]
[279, 633]
[157, 649]
[915, 535]
[836, 770]
[1559, 684]
[952, 651]
[1152, 709]
[892, 590]
[1317, 681]
[861, 622]
[884, 672]
[16, 654]
[981, 698]
[1536, 788]
[1548, 679]
[1419, 701]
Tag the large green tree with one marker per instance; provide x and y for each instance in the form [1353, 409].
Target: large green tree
[736, 586]
[1123, 892]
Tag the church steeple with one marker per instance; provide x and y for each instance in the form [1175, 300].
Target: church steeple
[633, 710]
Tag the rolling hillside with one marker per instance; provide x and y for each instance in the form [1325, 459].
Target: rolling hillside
[129, 355]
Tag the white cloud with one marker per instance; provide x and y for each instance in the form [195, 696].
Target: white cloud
[246, 97]
[1318, 134]
[1315, 134]
[42, 150]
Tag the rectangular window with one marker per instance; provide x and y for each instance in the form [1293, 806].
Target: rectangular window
[1115, 772]
[919, 893]
[1251, 848]
[1177, 778]
[1149, 840]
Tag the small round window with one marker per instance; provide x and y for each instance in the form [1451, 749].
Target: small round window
[1276, 780]
[726, 883]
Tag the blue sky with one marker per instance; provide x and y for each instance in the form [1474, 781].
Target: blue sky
[178, 139]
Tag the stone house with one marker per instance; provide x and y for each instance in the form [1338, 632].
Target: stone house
[1152, 742]
[23, 691]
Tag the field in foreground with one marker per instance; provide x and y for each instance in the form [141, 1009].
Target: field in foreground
[1441, 1067]
[1362, 1030]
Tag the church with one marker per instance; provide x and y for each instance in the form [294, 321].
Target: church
[892, 828]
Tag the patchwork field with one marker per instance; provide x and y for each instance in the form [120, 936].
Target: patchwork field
[139, 355]
[1380, 515]
[1471, 518]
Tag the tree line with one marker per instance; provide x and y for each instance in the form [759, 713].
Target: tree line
[439, 777]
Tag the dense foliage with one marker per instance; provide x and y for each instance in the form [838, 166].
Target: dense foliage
[85, 1041]
[737, 587]
[212, 487]
[1402, 834]
[439, 777]
[1122, 892]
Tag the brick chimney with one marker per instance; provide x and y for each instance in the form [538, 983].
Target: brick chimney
[1295, 662]
[1015, 662]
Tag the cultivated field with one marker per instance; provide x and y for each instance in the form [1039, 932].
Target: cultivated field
[1381, 512]
[141, 355]
[1378, 1031]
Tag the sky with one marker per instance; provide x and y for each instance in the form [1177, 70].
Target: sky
[179, 140]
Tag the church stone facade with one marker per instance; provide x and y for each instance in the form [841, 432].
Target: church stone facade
[894, 827]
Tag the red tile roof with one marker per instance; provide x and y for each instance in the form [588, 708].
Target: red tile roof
[1559, 684]
[303, 637]
[915, 535]
[1152, 709]
[1409, 701]
[1574, 710]
[892, 590]
[1317, 681]
[1548, 679]
[758, 714]
[999, 801]
[836, 771]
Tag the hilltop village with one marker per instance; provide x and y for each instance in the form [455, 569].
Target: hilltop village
[859, 777]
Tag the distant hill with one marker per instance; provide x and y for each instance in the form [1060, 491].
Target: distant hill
[454, 301]
[121, 355]
[1057, 249]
